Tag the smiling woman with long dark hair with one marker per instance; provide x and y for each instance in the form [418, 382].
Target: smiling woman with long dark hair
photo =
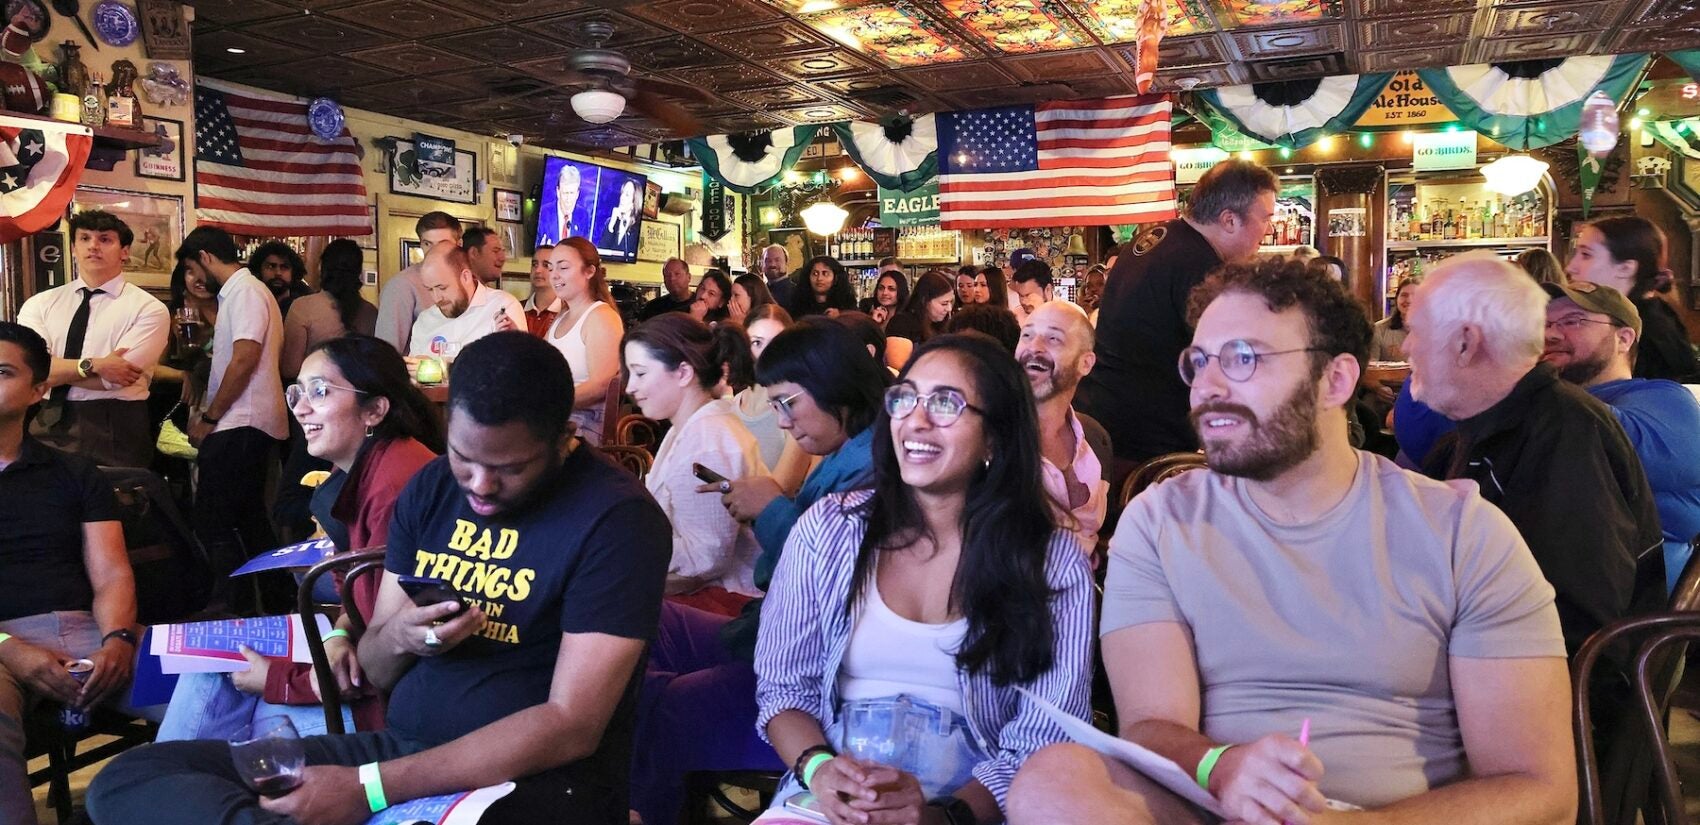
[923, 604]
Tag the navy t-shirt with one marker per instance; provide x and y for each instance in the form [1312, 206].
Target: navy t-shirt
[46, 497]
[589, 554]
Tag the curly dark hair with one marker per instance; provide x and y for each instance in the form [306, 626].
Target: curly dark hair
[1337, 323]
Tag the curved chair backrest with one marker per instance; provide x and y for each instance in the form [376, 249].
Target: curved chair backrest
[358, 563]
[637, 431]
[1155, 470]
[636, 459]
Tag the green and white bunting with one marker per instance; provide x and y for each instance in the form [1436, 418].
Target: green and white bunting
[751, 161]
[1528, 104]
[1688, 59]
[1291, 113]
[900, 153]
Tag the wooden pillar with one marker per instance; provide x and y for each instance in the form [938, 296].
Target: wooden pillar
[1354, 187]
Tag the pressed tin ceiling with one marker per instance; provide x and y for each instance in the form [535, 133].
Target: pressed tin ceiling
[490, 66]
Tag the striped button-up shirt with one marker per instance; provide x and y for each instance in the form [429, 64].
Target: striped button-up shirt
[806, 626]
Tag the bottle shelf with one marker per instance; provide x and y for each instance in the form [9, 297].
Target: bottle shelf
[1468, 243]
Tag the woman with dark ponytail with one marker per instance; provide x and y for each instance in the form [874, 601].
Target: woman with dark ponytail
[337, 309]
[673, 364]
[1628, 254]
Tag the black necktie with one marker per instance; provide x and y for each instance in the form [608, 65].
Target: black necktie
[74, 336]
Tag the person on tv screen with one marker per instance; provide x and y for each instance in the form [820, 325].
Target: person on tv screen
[622, 222]
[566, 201]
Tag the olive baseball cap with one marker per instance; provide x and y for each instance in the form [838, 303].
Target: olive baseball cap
[1601, 299]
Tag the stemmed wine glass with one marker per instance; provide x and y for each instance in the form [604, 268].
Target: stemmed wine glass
[269, 755]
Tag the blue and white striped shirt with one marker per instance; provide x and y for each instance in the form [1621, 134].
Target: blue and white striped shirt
[805, 630]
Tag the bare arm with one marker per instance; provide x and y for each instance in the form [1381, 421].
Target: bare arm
[591, 672]
[109, 571]
[602, 349]
[294, 348]
[244, 360]
[1515, 717]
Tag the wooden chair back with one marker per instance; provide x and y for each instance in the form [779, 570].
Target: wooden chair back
[356, 564]
[636, 459]
[1154, 470]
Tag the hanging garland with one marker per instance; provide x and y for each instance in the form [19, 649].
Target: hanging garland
[1688, 59]
[1528, 104]
[1679, 135]
[1290, 113]
[751, 161]
[899, 153]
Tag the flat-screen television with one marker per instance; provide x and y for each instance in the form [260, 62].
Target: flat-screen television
[602, 204]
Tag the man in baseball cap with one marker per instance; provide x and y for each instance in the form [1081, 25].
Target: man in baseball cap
[1591, 337]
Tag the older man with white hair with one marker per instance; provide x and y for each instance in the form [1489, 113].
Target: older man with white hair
[1555, 460]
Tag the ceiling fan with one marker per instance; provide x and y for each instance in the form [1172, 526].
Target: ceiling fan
[605, 86]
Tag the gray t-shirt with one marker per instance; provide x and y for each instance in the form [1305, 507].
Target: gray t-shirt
[1349, 620]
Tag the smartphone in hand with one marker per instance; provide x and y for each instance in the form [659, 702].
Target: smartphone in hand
[426, 591]
[708, 476]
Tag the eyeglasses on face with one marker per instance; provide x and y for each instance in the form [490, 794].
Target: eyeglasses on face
[783, 405]
[1571, 323]
[314, 390]
[1238, 359]
[943, 407]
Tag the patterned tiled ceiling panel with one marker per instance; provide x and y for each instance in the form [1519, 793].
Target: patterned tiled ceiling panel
[494, 64]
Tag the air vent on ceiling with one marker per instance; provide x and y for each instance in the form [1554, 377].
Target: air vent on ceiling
[1294, 68]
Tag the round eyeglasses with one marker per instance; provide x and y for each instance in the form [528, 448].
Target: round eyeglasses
[944, 407]
[1238, 360]
[783, 405]
[314, 391]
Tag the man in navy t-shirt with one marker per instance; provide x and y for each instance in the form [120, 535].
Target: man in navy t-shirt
[560, 558]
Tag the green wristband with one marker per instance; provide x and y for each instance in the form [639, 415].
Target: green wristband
[1208, 764]
[339, 633]
[374, 785]
[5, 637]
[813, 765]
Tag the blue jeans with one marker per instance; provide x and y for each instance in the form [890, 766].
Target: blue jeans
[208, 706]
[931, 743]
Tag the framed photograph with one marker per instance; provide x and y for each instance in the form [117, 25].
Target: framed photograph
[509, 206]
[456, 184]
[156, 220]
[798, 245]
[412, 252]
[164, 161]
[658, 241]
[651, 200]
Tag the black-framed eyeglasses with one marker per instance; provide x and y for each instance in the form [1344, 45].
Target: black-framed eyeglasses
[314, 390]
[783, 405]
[944, 407]
[1238, 360]
[1572, 323]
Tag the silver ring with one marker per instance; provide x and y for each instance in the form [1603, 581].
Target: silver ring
[725, 486]
[431, 639]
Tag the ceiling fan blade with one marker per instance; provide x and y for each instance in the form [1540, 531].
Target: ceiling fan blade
[666, 113]
[676, 91]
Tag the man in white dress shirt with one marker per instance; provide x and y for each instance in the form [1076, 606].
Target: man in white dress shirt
[106, 336]
[242, 418]
[403, 297]
[464, 309]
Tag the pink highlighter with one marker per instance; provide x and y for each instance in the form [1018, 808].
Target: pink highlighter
[1304, 739]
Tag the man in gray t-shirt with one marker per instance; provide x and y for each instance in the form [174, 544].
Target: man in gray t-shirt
[1299, 580]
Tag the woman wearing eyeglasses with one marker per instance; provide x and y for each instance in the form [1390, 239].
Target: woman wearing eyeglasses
[698, 707]
[360, 411]
[902, 620]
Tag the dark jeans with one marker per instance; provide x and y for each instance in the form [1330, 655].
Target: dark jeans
[170, 783]
[697, 712]
[230, 495]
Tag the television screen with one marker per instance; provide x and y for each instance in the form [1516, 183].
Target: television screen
[595, 202]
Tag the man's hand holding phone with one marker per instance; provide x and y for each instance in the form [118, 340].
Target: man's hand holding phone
[440, 619]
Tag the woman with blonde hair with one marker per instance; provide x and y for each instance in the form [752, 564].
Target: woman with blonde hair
[1543, 266]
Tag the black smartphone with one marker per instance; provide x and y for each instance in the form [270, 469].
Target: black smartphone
[708, 476]
[426, 591]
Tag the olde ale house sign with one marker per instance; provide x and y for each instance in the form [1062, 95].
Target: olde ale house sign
[1405, 101]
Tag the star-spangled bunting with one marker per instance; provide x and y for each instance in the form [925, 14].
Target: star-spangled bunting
[40, 164]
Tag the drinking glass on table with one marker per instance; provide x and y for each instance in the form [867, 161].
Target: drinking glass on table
[269, 755]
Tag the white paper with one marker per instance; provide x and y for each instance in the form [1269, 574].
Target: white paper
[449, 809]
[1156, 767]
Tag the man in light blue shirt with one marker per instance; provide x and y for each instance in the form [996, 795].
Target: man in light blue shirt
[1591, 337]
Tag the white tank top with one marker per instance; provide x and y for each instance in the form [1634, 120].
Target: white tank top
[571, 344]
[890, 655]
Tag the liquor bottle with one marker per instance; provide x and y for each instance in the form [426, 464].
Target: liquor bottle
[1437, 223]
[1419, 226]
[1449, 229]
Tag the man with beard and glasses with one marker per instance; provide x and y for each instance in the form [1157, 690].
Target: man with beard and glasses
[1558, 463]
[1302, 585]
[1055, 351]
[1592, 337]
[556, 560]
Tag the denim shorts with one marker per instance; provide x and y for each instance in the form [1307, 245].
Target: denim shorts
[931, 743]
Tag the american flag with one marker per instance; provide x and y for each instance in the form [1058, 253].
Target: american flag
[1093, 162]
[40, 163]
[260, 170]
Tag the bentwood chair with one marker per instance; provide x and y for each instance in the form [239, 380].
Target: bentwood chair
[356, 564]
[637, 431]
[1650, 673]
[1157, 469]
[635, 459]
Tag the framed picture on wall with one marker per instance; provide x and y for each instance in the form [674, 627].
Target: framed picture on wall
[795, 241]
[458, 184]
[651, 200]
[156, 221]
[412, 252]
[509, 206]
[658, 241]
[164, 161]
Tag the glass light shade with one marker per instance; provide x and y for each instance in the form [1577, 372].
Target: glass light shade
[598, 105]
[1513, 175]
[824, 217]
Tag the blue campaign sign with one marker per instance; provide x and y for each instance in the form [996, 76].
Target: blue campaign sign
[300, 555]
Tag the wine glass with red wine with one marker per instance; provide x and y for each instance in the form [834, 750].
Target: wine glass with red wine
[269, 755]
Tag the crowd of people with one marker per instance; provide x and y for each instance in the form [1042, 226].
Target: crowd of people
[877, 548]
